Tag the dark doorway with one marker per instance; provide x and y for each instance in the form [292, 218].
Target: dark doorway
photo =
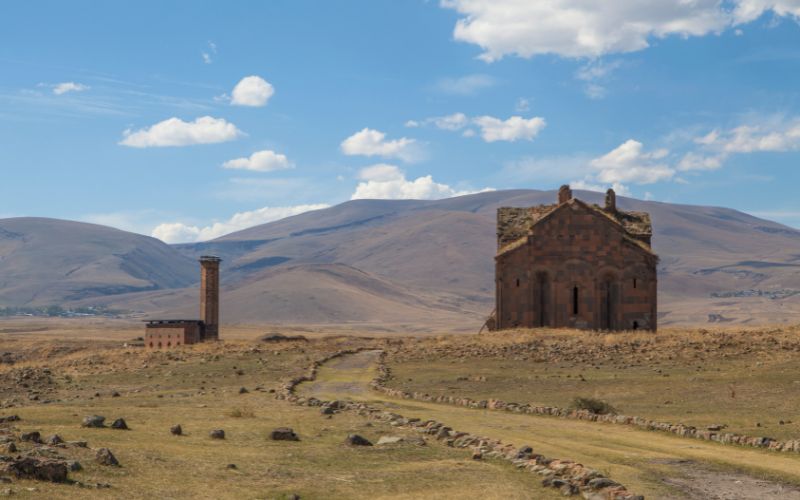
[542, 300]
[608, 297]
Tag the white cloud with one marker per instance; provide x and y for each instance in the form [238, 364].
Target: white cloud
[177, 232]
[695, 161]
[595, 74]
[212, 51]
[388, 182]
[465, 85]
[252, 91]
[630, 163]
[570, 28]
[455, 121]
[755, 138]
[750, 10]
[369, 142]
[176, 132]
[586, 185]
[512, 129]
[260, 161]
[64, 87]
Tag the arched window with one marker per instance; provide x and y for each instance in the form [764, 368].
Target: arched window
[575, 300]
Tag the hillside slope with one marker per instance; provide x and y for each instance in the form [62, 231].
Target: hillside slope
[49, 261]
[417, 263]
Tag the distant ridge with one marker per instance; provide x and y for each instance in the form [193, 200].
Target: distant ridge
[425, 264]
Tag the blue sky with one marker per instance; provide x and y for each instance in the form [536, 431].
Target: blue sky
[187, 120]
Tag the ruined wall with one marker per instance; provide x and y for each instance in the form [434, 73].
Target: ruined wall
[577, 271]
[166, 336]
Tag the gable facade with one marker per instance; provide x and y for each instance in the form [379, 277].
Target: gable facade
[577, 266]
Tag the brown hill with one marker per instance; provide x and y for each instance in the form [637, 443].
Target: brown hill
[403, 263]
[52, 262]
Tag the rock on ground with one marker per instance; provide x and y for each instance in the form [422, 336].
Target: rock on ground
[176, 430]
[93, 421]
[283, 434]
[356, 440]
[105, 457]
[217, 434]
[36, 468]
[119, 424]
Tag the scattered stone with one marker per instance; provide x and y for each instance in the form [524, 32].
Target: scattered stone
[9, 418]
[283, 434]
[11, 448]
[32, 437]
[477, 455]
[599, 483]
[35, 468]
[356, 440]
[327, 410]
[525, 452]
[115, 394]
[243, 390]
[78, 444]
[383, 440]
[217, 434]
[716, 427]
[95, 421]
[74, 465]
[176, 430]
[119, 424]
[230, 466]
[54, 440]
[105, 457]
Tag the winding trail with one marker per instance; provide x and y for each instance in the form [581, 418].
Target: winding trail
[651, 463]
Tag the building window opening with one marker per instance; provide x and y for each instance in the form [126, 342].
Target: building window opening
[517, 282]
[634, 282]
[169, 344]
[575, 300]
[159, 345]
[635, 325]
[151, 344]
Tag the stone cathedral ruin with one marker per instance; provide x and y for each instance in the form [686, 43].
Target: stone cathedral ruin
[168, 333]
[574, 265]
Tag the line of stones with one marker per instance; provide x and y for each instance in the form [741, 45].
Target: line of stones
[569, 477]
[791, 445]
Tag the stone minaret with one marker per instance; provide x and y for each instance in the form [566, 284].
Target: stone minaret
[209, 296]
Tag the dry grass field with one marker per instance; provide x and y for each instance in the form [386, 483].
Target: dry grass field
[747, 378]
[55, 372]
[199, 388]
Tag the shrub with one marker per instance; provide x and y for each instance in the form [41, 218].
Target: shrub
[593, 405]
[243, 412]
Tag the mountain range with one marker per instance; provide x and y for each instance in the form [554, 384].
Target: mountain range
[394, 264]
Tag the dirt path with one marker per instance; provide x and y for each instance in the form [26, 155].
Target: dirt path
[654, 464]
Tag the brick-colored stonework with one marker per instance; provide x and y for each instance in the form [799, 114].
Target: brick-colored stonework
[209, 296]
[165, 334]
[169, 333]
[575, 265]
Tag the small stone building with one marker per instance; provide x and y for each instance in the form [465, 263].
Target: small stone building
[166, 333]
[574, 265]
[169, 333]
